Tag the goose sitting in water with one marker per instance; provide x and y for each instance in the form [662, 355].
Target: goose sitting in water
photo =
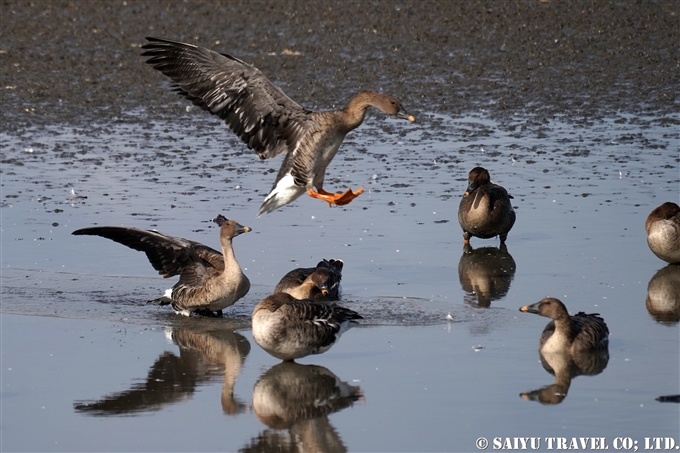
[288, 328]
[485, 210]
[265, 119]
[663, 232]
[320, 283]
[565, 333]
[209, 281]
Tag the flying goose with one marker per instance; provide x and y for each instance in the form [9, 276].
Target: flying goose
[265, 119]
[209, 281]
[485, 210]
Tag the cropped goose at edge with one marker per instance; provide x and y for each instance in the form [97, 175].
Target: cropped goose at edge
[265, 119]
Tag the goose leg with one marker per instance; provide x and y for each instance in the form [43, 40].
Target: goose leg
[339, 199]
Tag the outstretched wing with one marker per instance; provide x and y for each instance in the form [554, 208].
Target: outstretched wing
[253, 108]
[167, 254]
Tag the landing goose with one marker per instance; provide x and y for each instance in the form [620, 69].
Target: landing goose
[485, 210]
[320, 283]
[265, 119]
[580, 332]
[209, 281]
[288, 328]
[663, 232]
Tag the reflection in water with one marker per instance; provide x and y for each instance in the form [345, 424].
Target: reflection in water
[669, 399]
[663, 295]
[299, 398]
[485, 273]
[565, 366]
[207, 351]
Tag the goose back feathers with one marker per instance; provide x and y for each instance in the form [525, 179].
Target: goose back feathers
[265, 119]
[320, 283]
[663, 232]
[288, 328]
[209, 281]
[580, 332]
[485, 210]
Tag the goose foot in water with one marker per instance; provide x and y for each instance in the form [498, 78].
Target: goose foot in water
[339, 199]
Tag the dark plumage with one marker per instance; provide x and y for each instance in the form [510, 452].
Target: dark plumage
[663, 232]
[320, 283]
[580, 332]
[485, 210]
[209, 280]
[265, 119]
[289, 329]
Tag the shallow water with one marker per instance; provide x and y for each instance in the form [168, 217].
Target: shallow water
[572, 109]
[443, 355]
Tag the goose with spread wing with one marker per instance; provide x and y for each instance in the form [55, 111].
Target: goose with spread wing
[265, 119]
[209, 281]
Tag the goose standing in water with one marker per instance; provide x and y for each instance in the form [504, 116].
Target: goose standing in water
[663, 232]
[288, 328]
[485, 210]
[320, 283]
[565, 333]
[265, 119]
[209, 281]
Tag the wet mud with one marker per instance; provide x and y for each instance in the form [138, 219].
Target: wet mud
[79, 62]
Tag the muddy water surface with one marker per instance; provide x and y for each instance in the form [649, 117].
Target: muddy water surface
[443, 356]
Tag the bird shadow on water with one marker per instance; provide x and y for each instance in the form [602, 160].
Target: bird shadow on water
[565, 367]
[294, 402]
[485, 274]
[207, 352]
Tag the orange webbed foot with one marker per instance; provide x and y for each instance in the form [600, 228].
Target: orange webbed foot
[339, 199]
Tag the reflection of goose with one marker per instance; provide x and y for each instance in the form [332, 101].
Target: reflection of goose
[205, 352]
[485, 273]
[320, 283]
[289, 329]
[669, 399]
[208, 280]
[663, 295]
[566, 366]
[580, 332]
[663, 232]
[264, 118]
[300, 398]
[485, 210]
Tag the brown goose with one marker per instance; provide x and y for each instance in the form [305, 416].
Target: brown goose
[485, 210]
[663, 232]
[265, 119]
[320, 283]
[209, 281]
[581, 332]
[289, 329]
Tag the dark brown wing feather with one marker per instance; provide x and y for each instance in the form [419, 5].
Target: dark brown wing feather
[209, 254]
[167, 254]
[324, 319]
[589, 331]
[255, 109]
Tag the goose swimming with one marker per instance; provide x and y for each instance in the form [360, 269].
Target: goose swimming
[580, 332]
